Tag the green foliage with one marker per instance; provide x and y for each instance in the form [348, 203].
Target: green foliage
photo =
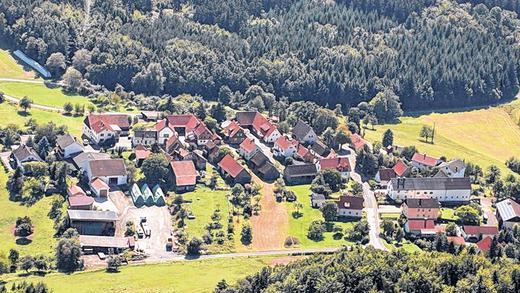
[246, 235]
[68, 255]
[155, 169]
[468, 215]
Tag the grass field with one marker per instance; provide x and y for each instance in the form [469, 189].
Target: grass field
[11, 68]
[185, 276]
[485, 137]
[405, 245]
[10, 115]
[448, 214]
[299, 227]
[42, 240]
[41, 94]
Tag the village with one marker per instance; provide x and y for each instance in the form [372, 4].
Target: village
[113, 211]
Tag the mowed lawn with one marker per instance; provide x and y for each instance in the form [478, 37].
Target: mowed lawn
[40, 94]
[184, 276]
[43, 241]
[485, 137]
[298, 227]
[10, 115]
[11, 68]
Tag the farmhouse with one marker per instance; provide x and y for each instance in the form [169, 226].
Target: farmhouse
[341, 164]
[304, 133]
[443, 189]
[145, 137]
[304, 154]
[320, 149]
[81, 161]
[232, 171]
[110, 171]
[421, 208]
[262, 127]
[67, 146]
[357, 142]
[151, 115]
[233, 133]
[384, 175]
[477, 233]
[423, 161]
[182, 124]
[422, 227]
[284, 147]
[350, 206]
[100, 128]
[260, 164]
[453, 168]
[248, 148]
[401, 169]
[92, 222]
[508, 213]
[184, 175]
[300, 174]
[24, 154]
[164, 131]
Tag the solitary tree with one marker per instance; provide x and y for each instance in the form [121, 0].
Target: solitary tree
[67, 107]
[194, 246]
[246, 235]
[68, 255]
[329, 211]
[388, 138]
[25, 103]
[26, 263]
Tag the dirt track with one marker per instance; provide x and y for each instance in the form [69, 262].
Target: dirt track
[271, 226]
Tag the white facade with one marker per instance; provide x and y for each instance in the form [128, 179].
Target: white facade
[310, 137]
[349, 213]
[98, 137]
[271, 138]
[456, 195]
[72, 149]
[164, 134]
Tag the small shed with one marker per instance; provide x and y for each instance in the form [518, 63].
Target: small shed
[137, 196]
[147, 195]
[158, 196]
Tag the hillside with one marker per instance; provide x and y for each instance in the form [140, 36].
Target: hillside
[329, 52]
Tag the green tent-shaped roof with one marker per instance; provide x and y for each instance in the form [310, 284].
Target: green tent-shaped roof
[137, 196]
[147, 194]
[158, 196]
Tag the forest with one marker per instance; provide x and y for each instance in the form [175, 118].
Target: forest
[368, 270]
[431, 54]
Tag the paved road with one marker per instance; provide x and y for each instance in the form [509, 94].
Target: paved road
[37, 81]
[371, 207]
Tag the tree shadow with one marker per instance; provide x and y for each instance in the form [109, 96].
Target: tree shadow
[23, 113]
[23, 241]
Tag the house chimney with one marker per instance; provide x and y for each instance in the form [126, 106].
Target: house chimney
[424, 156]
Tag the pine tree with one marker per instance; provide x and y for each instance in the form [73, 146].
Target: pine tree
[388, 138]
[43, 147]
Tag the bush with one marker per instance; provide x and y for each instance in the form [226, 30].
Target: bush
[291, 241]
[316, 230]
[23, 227]
[194, 246]
[246, 236]
[113, 264]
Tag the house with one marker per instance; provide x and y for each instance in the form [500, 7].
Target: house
[24, 154]
[202, 134]
[173, 144]
[357, 142]
[401, 169]
[146, 137]
[304, 133]
[151, 115]
[260, 126]
[260, 164]
[164, 131]
[508, 213]
[422, 227]
[67, 146]
[341, 164]
[384, 175]
[284, 147]
[141, 154]
[477, 233]
[81, 161]
[183, 124]
[300, 173]
[350, 206]
[92, 222]
[317, 200]
[443, 189]
[454, 168]
[110, 171]
[232, 171]
[248, 148]
[184, 175]
[101, 128]
[421, 208]
[80, 202]
[320, 149]
[75, 190]
[233, 133]
[99, 187]
[485, 244]
[304, 154]
[423, 161]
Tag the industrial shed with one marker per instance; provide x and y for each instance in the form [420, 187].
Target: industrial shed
[105, 244]
[158, 196]
[137, 196]
[93, 222]
[147, 195]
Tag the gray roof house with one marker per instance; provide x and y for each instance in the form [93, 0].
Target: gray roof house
[25, 154]
[445, 189]
[304, 133]
[508, 213]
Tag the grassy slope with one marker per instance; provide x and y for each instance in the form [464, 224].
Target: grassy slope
[11, 68]
[41, 94]
[299, 227]
[10, 115]
[485, 137]
[186, 276]
[42, 240]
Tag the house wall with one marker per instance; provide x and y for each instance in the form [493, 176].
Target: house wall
[441, 195]
[71, 150]
[459, 174]
[420, 213]
[349, 213]
[146, 141]
[164, 135]
[310, 138]
[273, 137]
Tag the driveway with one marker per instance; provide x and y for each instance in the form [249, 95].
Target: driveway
[486, 204]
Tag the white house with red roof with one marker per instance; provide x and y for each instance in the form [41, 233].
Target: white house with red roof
[104, 127]
[423, 161]
[261, 126]
[341, 164]
[357, 142]
[184, 175]
[232, 171]
[248, 148]
[401, 169]
[285, 147]
[164, 131]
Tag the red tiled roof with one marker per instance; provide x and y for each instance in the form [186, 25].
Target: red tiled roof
[357, 141]
[486, 230]
[75, 190]
[188, 121]
[302, 151]
[485, 243]
[231, 129]
[400, 168]
[171, 140]
[284, 143]
[230, 166]
[80, 200]
[341, 164]
[456, 240]
[350, 202]
[248, 145]
[424, 159]
[161, 124]
[141, 152]
[185, 173]
[98, 184]
[421, 224]
[272, 129]
[100, 122]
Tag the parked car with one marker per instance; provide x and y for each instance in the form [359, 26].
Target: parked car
[140, 232]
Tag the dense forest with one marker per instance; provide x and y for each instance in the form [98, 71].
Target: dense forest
[431, 54]
[367, 270]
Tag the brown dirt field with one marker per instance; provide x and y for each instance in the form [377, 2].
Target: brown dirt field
[271, 226]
